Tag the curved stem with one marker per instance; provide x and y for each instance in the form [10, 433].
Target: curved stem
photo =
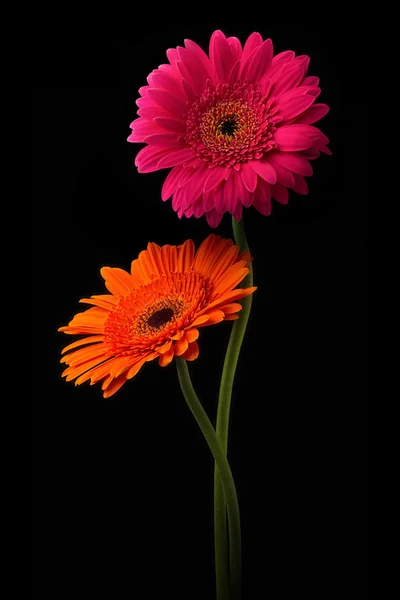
[224, 405]
[225, 475]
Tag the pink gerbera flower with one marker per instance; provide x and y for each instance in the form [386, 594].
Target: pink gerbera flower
[236, 127]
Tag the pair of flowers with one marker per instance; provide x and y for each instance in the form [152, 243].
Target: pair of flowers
[236, 126]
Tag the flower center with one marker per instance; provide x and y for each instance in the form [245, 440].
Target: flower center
[228, 125]
[231, 124]
[160, 317]
[150, 315]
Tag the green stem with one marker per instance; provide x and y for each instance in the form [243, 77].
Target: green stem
[225, 475]
[222, 425]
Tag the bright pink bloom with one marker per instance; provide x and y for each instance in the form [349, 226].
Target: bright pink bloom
[236, 127]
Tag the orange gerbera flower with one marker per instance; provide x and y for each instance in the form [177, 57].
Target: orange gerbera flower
[155, 310]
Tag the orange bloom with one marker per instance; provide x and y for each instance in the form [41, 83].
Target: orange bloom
[155, 311]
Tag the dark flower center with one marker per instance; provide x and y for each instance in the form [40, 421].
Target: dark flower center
[228, 126]
[160, 317]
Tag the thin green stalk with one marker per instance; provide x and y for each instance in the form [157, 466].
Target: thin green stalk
[225, 474]
[224, 405]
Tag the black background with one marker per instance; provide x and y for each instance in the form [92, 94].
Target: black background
[122, 489]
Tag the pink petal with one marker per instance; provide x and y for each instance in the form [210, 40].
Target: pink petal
[195, 185]
[294, 106]
[167, 101]
[283, 57]
[265, 169]
[199, 55]
[147, 158]
[171, 182]
[252, 42]
[230, 196]
[188, 90]
[311, 81]
[263, 191]
[288, 79]
[290, 138]
[167, 140]
[163, 81]
[219, 202]
[314, 91]
[215, 177]
[175, 158]
[151, 111]
[280, 193]
[300, 185]
[187, 173]
[260, 63]
[262, 199]
[283, 176]
[142, 128]
[323, 149]
[249, 177]
[178, 199]
[313, 114]
[311, 153]
[236, 48]
[208, 200]
[213, 218]
[303, 60]
[293, 161]
[221, 56]
[172, 55]
[198, 72]
[144, 90]
[234, 74]
[245, 196]
[193, 75]
[197, 208]
[175, 125]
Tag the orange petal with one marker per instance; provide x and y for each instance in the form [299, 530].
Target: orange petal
[121, 364]
[165, 347]
[96, 374]
[224, 262]
[199, 320]
[181, 346]
[185, 256]
[231, 278]
[246, 256]
[146, 265]
[203, 252]
[192, 335]
[178, 335]
[215, 316]
[118, 281]
[137, 273]
[231, 308]
[114, 386]
[73, 371]
[135, 368]
[84, 354]
[231, 317]
[99, 302]
[92, 339]
[169, 258]
[166, 358]
[207, 253]
[82, 329]
[192, 352]
[101, 371]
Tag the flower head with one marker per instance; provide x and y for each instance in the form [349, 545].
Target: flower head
[235, 126]
[155, 311]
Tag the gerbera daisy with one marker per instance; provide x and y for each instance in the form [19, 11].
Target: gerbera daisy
[156, 310]
[235, 126]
